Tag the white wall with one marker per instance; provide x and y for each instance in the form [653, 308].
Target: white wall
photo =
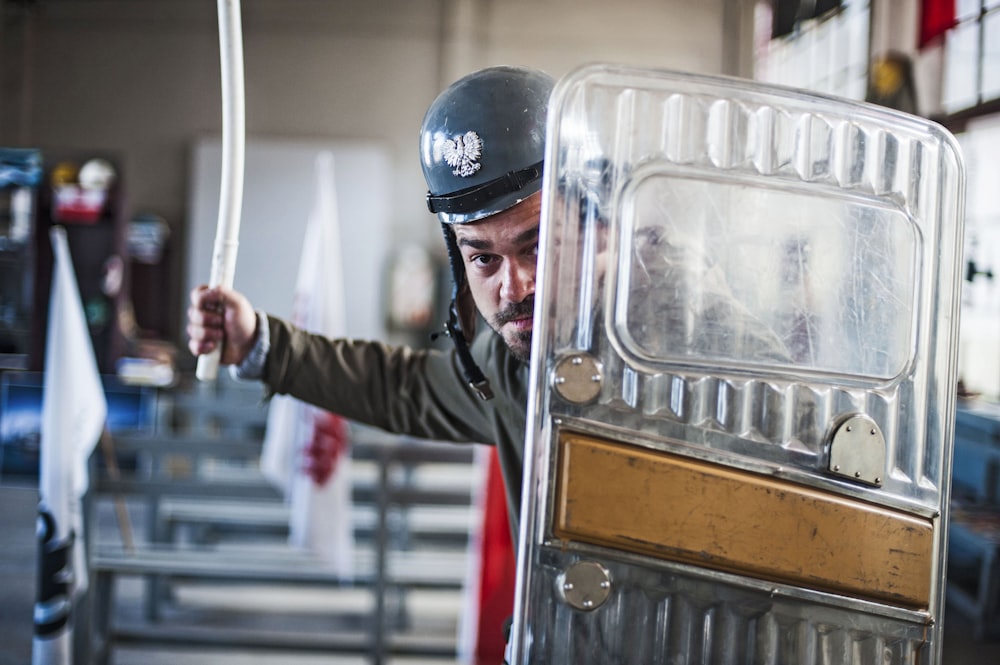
[280, 194]
[141, 78]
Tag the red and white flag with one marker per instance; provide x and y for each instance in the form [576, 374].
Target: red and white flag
[307, 450]
[489, 590]
[74, 413]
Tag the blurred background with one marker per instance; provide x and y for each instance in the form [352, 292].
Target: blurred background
[110, 125]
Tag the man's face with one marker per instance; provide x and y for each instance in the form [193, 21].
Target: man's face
[500, 255]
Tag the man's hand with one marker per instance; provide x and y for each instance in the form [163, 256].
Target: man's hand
[221, 316]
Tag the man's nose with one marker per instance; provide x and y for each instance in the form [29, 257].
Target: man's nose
[518, 280]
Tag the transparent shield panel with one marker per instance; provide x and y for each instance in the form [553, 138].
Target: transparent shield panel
[670, 617]
[765, 277]
[743, 377]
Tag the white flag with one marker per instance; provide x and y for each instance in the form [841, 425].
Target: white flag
[74, 412]
[306, 450]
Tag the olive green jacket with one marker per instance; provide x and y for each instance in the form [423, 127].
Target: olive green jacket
[402, 390]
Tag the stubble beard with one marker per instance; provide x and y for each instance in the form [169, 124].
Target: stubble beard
[520, 346]
[518, 342]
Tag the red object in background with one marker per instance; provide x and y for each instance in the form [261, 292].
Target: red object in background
[328, 443]
[936, 18]
[497, 573]
[73, 204]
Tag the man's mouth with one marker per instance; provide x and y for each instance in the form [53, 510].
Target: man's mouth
[521, 324]
[519, 316]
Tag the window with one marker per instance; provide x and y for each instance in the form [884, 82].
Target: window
[827, 52]
[972, 55]
[979, 338]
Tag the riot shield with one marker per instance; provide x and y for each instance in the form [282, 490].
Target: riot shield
[743, 378]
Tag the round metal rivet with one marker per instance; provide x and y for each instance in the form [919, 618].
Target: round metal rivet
[585, 585]
[577, 378]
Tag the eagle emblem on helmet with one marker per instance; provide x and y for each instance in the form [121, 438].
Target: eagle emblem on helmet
[462, 154]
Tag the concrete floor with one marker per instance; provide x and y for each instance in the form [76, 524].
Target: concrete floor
[18, 503]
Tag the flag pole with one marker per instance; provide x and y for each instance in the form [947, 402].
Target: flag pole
[74, 412]
[227, 230]
[121, 511]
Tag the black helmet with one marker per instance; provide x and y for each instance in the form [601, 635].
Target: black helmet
[482, 142]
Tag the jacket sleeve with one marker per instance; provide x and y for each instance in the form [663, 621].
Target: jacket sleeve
[396, 388]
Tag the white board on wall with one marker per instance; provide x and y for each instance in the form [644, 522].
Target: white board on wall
[279, 193]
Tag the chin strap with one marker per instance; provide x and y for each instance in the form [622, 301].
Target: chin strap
[453, 327]
[473, 375]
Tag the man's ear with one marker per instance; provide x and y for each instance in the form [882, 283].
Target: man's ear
[466, 311]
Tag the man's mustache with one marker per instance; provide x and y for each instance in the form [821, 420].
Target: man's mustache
[519, 310]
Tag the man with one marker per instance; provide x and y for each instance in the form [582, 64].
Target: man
[482, 143]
